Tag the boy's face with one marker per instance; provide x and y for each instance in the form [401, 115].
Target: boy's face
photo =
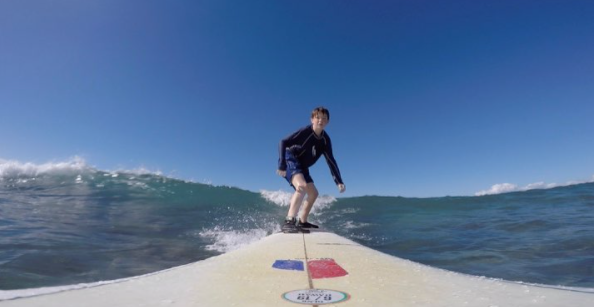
[319, 121]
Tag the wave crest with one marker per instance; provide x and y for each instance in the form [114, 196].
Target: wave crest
[509, 187]
[229, 240]
[283, 199]
[11, 169]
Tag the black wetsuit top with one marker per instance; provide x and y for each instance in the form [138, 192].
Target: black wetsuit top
[307, 147]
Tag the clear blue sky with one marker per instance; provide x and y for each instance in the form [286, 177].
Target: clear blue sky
[427, 98]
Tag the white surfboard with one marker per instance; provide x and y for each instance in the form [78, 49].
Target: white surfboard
[315, 269]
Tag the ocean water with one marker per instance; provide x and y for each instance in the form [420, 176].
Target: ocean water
[69, 223]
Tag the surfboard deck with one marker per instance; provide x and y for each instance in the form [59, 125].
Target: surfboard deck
[315, 269]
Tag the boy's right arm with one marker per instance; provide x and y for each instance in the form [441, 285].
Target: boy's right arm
[282, 162]
[282, 148]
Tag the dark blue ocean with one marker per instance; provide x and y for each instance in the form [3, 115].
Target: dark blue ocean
[69, 223]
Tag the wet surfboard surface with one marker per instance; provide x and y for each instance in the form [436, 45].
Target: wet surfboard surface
[315, 269]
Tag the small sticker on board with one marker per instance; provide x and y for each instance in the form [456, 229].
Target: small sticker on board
[325, 268]
[316, 296]
[294, 265]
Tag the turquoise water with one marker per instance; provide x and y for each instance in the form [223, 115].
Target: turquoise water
[69, 224]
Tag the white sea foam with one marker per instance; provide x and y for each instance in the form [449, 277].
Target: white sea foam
[509, 187]
[11, 169]
[498, 189]
[229, 240]
[280, 197]
[138, 172]
[226, 240]
[283, 199]
[354, 225]
[26, 171]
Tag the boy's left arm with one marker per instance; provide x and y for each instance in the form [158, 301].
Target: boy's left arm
[333, 166]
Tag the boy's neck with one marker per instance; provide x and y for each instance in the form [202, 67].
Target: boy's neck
[318, 132]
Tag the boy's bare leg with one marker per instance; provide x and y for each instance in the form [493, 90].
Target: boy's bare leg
[312, 195]
[300, 185]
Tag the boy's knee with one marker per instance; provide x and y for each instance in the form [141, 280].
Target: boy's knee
[300, 188]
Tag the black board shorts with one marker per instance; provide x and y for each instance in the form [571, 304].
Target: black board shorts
[294, 167]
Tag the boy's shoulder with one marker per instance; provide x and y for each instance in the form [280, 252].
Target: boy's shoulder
[306, 130]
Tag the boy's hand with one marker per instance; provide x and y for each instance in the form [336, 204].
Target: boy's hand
[281, 173]
[341, 188]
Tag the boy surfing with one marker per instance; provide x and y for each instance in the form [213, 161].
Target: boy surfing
[298, 152]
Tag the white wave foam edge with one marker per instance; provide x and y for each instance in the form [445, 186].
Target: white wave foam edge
[230, 240]
[509, 187]
[283, 199]
[16, 169]
[13, 169]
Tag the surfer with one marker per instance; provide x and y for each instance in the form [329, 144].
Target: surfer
[298, 152]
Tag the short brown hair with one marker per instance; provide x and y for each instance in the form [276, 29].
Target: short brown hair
[320, 110]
